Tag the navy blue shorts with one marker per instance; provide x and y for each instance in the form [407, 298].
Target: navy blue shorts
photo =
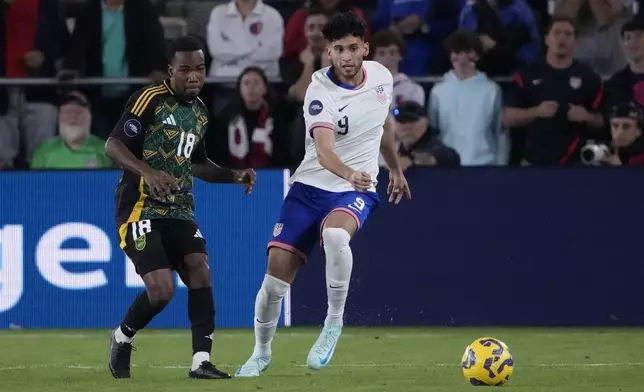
[306, 208]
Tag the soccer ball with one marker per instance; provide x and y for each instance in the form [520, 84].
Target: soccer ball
[487, 361]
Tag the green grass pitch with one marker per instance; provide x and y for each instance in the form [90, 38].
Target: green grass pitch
[366, 359]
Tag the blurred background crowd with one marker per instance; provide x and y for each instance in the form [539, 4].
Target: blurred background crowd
[477, 82]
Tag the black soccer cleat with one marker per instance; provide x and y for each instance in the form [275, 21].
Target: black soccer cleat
[120, 355]
[208, 371]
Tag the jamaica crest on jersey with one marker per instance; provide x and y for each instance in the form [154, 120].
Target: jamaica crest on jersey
[380, 94]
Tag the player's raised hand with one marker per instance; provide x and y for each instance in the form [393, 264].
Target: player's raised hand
[161, 184]
[361, 181]
[398, 187]
[246, 177]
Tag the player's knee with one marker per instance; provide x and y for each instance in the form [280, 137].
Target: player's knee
[198, 271]
[273, 289]
[283, 264]
[335, 238]
[161, 293]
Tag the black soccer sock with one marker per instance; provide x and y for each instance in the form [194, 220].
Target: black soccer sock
[140, 313]
[201, 311]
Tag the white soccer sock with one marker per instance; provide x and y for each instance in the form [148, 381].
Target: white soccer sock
[198, 358]
[339, 262]
[268, 306]
[120, 337]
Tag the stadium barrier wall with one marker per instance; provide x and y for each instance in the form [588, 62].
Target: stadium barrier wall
[496, 246]
[61, 266]
[476, 246]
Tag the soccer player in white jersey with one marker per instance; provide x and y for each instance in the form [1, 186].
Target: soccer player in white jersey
[346, 110]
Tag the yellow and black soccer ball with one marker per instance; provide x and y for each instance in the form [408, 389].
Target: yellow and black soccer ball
[487, 361]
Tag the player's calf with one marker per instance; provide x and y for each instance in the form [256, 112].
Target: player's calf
[282, 264]
[268, 306]
[201, 312]
[339, 263]
[159, 292]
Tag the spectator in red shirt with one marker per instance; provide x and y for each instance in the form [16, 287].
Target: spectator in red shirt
[297, 70]
[295, 39]
[32, 39]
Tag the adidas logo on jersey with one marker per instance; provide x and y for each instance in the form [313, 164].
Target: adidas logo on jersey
[198, 234]
[170, 121]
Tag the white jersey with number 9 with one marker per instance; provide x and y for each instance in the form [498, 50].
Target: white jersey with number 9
[355, 115]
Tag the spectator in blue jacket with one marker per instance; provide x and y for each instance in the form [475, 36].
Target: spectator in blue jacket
[423, 25]
[508, 32]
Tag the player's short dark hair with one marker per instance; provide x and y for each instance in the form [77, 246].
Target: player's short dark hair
[561, 19]
[385, 38]
[635, 24]
[184, 43]
[464, 41]
[342, 25]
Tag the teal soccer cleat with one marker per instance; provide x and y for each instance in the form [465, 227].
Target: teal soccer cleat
[322, 351]
[255, 366]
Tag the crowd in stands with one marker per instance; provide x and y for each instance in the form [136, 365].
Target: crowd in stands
[516, 82]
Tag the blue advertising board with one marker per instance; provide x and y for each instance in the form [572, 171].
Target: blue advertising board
[495, 246]
[475, 246]
[61, 266]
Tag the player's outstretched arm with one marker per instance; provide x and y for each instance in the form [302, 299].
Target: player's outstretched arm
[388, 146]
[209, 171]
[397, 182]
[325, 147]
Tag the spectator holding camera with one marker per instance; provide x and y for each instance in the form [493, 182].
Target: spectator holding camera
[419, 145]
[556, 102]
[627, 144]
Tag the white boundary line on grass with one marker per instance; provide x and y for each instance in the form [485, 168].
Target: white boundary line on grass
[348, 365]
